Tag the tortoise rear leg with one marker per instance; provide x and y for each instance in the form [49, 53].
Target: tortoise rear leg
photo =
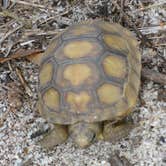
[54, 137]
[114, 132]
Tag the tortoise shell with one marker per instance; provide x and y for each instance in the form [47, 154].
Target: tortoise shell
[91, 73]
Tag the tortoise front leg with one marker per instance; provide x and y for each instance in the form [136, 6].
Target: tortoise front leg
[114, 132]
[54, 137]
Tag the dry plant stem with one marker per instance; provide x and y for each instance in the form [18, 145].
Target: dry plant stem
[20, 54]
[153, 29]
[28, 3]
[9, 33]
[38, 6]
[40, 33]
[150, 6]
[26, 23]
[154, 76]
[23, 82]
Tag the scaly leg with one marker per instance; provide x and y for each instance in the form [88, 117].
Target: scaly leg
[56, 136]
[117, 131]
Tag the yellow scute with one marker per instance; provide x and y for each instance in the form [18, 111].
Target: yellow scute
[115, 42]
[109, 27]
[109, 93]
[78, 101]
[121, 108]
[130, 95]
[115, 66]
[51, 98]
[46, 73]
[77, 49]
[77, 73]
[134, 80]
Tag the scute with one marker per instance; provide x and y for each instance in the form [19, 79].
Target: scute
[134, 80]
[80, 31]
[79, 74]
[90, 72]
[108, 27]
[122, 107]
[109, 93]
[115, 42]
[75, 49]
[74, 74]
[51, 98]
[78, 102]
[131, 95]
[115, 66]
[46, 73]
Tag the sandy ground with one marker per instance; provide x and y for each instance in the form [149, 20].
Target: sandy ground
[19, 120]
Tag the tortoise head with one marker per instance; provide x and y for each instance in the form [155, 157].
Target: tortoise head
[84, 134]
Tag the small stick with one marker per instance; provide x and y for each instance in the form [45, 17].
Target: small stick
[153, 30]
[150, 6]
[23, 82]
[26, 23]
[154, 76]
[20, 54]
[28, 4]
[9, 33]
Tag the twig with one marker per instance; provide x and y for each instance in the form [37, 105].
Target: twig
[26, 23]
[162, 44]
[9, 33]
[122, 8]
[158, 4]
[23, 82]
[154, 76]
[28, 4]
[40, 33]
[21, 53]
[152, 30]
[39, 6]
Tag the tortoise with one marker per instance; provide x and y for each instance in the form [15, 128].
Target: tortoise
[89, 80]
